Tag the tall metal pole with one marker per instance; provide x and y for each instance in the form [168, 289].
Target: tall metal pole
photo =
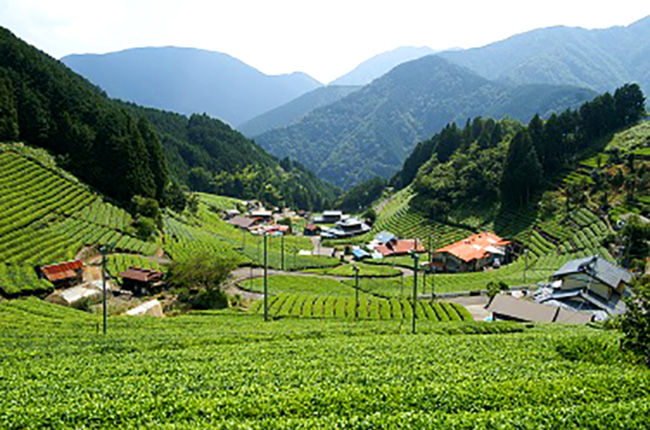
[266, 283]
[525, 263]
[356, 287]
[282, 242]
[105, 310]
[415, 288]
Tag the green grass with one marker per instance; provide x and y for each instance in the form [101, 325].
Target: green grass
[219, 370]
[365, 270]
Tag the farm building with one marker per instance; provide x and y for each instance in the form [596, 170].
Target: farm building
[347, 228]
[242, 222]
[63, 275]
[311, 230]
[385, 237]
[262, 214]
[590, 283]
[359, 254]
[151, 308]
[329, 217]
[141, 280]
[507, 308]
[276, 228]
[396, 247]
[231, 213]
[473, 253]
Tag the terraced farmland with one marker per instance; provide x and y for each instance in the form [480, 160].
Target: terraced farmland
[46, 217]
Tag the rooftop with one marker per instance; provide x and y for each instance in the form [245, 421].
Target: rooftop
[241, 221]
[141, 275]
[597, 267]
[475, 247]
[60, 271]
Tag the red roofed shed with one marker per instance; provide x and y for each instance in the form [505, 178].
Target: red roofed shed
[400, 247]
[65, 274]
[140, 280]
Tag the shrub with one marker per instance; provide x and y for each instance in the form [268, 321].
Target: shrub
[635, 323]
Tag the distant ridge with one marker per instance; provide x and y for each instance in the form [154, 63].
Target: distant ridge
[296, 109]
[600, 59]
[381, 64]
[189, 80]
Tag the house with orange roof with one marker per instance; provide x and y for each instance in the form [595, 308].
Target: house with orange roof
[473, 253]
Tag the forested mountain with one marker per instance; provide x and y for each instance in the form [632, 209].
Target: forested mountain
[208, 155]
[487, 162]
[295, 110]
[188, 80]
[371, 131]
[380, 64]
[124, 150]
[599, 59]
[44, 104]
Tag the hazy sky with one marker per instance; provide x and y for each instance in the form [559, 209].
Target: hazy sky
[322, 38]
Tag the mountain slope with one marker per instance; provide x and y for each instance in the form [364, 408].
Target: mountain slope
[371, 131]
[208, 155]
[44, 104]
[598, 59]
[188, 81]
[380, 64]
[295, 110]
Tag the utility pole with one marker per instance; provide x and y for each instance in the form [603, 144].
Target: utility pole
[525, 263]
[282, 245]
[415, 287]
[266, 283]
[103, 249]
[356, 288]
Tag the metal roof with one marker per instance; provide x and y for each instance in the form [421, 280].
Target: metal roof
[475, 247]
[360, 253]
[384, 237]
[597, 267]
[141, 275]
[241, 221]
[522, 310]
[60, 271]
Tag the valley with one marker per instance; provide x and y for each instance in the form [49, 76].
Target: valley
[456, 239]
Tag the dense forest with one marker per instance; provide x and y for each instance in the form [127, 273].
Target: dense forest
[44, 104]
[487, 161]
[207, 155]
[371, 131]
[124, 151]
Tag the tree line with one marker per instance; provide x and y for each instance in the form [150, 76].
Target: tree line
[489, 161]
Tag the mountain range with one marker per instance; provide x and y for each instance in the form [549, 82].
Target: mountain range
[188, 80]
[295, 110]
[380, 64]
[124, 150]
[600, 59]
[371, 131]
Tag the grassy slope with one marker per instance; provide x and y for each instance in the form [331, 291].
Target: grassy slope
[235, 371]
[47, 216]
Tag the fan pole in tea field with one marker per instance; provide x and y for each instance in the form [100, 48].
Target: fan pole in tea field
[415, 256]
[103, 250]
[356, 289]
[266, 282]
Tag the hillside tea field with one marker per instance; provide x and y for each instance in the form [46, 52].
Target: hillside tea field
[233, 371]
[47, 216]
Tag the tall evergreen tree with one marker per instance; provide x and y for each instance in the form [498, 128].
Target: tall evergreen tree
[522, 171]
